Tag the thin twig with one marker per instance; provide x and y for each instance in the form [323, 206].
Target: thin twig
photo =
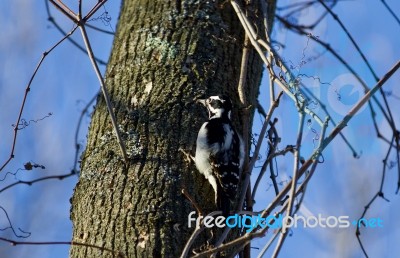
[294, 179]
[27, 234]
[335, 16]
[27, 90]
[257, 150]
[105, 93]
[245, 122]
[256, 42]
[99, 4]
[15, 243]
[51, 19]
[64, 9]
[342, 61]
[376, 195]
[271, 154]
[23, 182]
[391, 11]
[195, 234]
[192, 201]
[77, 145]
[81, 23]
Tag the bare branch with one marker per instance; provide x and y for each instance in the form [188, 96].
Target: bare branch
[391, 11]
[294, 179]
[27, 90]
[192, 201]
[15, 243]
[248, 170]
[105, 93]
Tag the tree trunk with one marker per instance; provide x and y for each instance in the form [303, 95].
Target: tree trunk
[165, 55]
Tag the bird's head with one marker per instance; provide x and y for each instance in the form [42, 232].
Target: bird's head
[218, 106]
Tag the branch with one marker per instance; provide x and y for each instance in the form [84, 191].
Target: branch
[250, 166]
[192, 201]
[77, 145]
[15, 243]
[360, 103]
[391, 11]
[256, 42]
[59, 177]
[58, 27]
[343, 62]
[81, 23]
[12, 228]
[105, 92]
[27, 90]
[294, 179]
[195, 234]
[273, 153]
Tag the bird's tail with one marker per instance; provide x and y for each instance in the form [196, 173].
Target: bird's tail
[224, 203]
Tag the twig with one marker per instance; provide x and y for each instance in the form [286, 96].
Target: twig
[335, 16]
[376, 195]
[81, 23]
[256, 42]
[51, 19]
[294, 179]
[271, 154]
[257, 150]
[245, 122]
[99, 4]
[273, 144]
[64, 9]
[15, 243]
[12, 227]
[391, 11]
[361, 103]
[59, 177]
[77, 145]
[79, 9]
[195, 234]
[192, 201]
[27, 90]
[105, 93]
[342, 61]
[315, 161]
[243, 72]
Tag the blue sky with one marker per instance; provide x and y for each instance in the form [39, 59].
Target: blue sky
[342, 185]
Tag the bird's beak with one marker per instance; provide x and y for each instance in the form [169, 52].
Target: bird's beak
[201, 101]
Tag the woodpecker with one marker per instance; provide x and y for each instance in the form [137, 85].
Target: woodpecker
[220, 151]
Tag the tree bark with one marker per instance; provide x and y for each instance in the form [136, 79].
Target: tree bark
[165, 55]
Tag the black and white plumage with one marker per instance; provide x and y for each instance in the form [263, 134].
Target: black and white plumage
[220, 151]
